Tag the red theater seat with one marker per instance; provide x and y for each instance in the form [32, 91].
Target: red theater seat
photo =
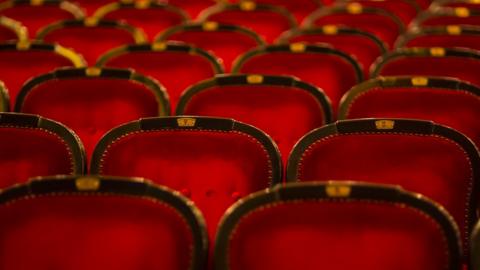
[12, 30]
[91, 37]
[462, 64]
[284, 107]
[174, 65]
[22, 61]
[90, 6]
[450, 36]
[224, 40]
[379, 22]
[93, 101]
[420, 156]
[267, 20]
[406, 10]
[213, 161]
[471, 4]
[33, 146]
[299, 8]
[334, 71]
[448, 16]
[99, 223]
[337, 226]
[449, 102]
[194, 7]
[365, 47]
[152, 17]
[37, 14]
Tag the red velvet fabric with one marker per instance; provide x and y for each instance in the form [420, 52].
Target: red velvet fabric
[424, 4]
[91, 107]
[382, 26]
[7, 34]
[263, 107]
[446, 41]
[299, 8]
[404, 10]
[429, 165]
[30, 152]
[456, 109]
[362, 48]
[337, 236]
[268, 24]
[16, 67]
[151, 20]
[74, 232]
[451, 20]
[91, 42]
[462, 68]
[472, 5]
[331, 73]
[90, 6]
[214, 169]
[227, 45]
[174, 70]
[36, 17]
[193, 7]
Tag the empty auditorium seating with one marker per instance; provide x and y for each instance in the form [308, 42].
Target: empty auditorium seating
[457, 63]
[194, 7]
[268, 21]
[213, 161]
[379, 22]
[174, 65]
[420, 156]
[90, 6]
[299, 8]
[37, 14]
[334, 71]
[99, 223]
[153, 17]
[92, 101]
[449, 36]
[224, 40]
[12, 30]
[448, 16]
[91, 37]
[337, 226]
[449, 102]
[34, 146]
[406, 10]
[23, 60]
[284, 107]
[365, 47]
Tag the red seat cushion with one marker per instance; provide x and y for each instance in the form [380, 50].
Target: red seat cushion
[193, 7]
[299, 8]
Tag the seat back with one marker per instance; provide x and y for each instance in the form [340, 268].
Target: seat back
[420, 156]
[152, 17]
[284, 107]
[379, 22]
[90, 6]
[212, 161]
[450, 36]
[175, 65]
[93, 101]
[23, 60]
[91, 37]
[122, 224]
[337, 226]
[41, 13]
[364, 46]
[194, 7]
[268, 21]
[12, 30]
[334, 71]
[405, 10]
[226, 41]
[448, 16]
[457, 3]
[299, 8]
[35, 146]
[449, 102]
[456, 63]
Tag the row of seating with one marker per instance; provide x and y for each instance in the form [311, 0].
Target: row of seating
[117, 223]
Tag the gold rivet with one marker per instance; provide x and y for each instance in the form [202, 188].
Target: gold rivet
[90, 22]
[23, 45]
[93, 71]
[36, 2]
[354, 8]
[210, 26]
[87, 184]
[338, 190]
[437, 52]
[186, 122]
[159, 46]
[419, 81]
[462, 12]
[454, 30]
[298, 47]
[248, 5]
[255, 79]
[330, 29]
[142, 4]
[384, 124]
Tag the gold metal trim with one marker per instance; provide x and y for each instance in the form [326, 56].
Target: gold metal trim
[454, 30]
[330, 29]
[186, 122]
[159, 46]
[419, 81]
[248, 5]
[93, 71]
[338, 190]
[87, 184]
[354, 8]
[255, 79]
[385, 124]
[298, 47]
[462, 12]
[437, 52]
[210, 26]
